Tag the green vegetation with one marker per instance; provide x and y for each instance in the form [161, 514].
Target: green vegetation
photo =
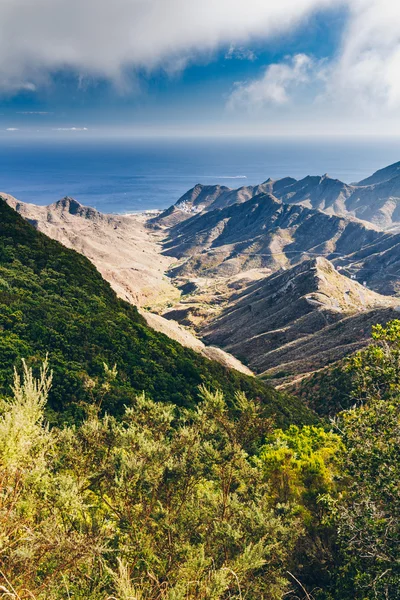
[163, 503]
[366, 512]
[174, 503]
[53, 300]
[167, 477]
[371, 372]
[368, 517]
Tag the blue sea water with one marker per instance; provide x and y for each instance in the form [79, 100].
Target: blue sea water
[134, 175]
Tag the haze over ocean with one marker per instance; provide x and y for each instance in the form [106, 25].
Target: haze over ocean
[135, 175]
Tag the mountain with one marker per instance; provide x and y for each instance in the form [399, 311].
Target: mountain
[378, 265]
[128, 256]
[298, 321]
[221, 247]
[262, 233]
[382, 175]
[375, 199]
[119, 245]
[53, 300]
[209, 197]
[322, 193]
[267, 234]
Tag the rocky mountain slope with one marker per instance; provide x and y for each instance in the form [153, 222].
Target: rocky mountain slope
[381, 175]
[263, 233]
[207, 197]
[119, 245]
[375, 199]
[297, 321]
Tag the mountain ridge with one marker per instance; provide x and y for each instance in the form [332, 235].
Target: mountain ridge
[220, 246]
[374, 199]
[281, 323]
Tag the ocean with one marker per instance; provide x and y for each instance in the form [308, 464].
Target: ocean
[135, 175]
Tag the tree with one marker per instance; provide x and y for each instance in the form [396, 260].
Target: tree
[302, 466]
[368, 514]
[164, 503]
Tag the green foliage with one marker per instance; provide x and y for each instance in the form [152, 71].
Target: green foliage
[328, 391]
[163, 504]
[302, 463]
[53, 300]
[303, 469]
[376, 370]
[373, 372]
[368, 515]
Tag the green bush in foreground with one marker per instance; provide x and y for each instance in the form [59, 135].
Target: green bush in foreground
[157, 505]
[167, 503]
[368, 515]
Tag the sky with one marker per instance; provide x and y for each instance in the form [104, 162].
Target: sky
[82, 68]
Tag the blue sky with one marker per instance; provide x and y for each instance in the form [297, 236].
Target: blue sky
[132, 67]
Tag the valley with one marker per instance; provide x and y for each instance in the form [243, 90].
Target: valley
[280, 279]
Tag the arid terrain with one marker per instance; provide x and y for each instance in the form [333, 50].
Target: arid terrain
[284, 276]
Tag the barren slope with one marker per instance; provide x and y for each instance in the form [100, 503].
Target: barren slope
[262, 232]
[298, 321]
[375, 199]
[119, 245]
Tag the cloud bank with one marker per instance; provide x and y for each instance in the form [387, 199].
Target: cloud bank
[70, 129]
[104, 38]
[363, 76]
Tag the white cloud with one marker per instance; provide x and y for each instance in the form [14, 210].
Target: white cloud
[34, 112]
[362, 77]
[105, 38]
[70, 129]
[275, 85]
[366, 73]
[102, 38]
[12, 129]
[240, 53]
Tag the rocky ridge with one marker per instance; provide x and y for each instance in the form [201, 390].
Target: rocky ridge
[297, 321]
[375, 199]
